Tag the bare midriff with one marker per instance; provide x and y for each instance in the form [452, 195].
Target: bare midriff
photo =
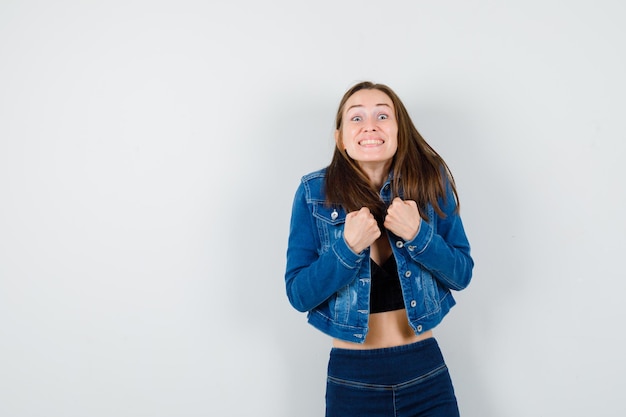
[389, 328]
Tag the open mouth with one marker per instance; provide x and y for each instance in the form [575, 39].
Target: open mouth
[371, 142]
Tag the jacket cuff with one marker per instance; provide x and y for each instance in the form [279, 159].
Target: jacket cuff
[421, 241]
[346, 256]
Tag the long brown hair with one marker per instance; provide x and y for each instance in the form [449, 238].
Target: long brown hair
[419, 173]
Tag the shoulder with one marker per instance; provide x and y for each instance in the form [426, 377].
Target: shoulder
[312, 184]
[314, 176]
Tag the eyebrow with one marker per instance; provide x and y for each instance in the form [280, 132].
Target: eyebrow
[360, 105]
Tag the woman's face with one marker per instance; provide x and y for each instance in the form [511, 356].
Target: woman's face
[369, 129]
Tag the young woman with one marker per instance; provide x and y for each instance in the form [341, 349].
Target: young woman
[375, 246]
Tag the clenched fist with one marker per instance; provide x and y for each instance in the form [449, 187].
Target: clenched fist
[403, 218]
[360, 230]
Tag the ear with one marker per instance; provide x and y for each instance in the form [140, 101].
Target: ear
[338, 140]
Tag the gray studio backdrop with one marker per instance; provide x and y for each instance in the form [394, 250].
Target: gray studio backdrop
[149, 152]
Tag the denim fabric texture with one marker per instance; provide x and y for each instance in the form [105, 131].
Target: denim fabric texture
[332, 283]
[409, 380]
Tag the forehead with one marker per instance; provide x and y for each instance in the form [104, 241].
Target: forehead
[368, 98]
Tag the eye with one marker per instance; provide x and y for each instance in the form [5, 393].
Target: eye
[383, 117]
[356, 119]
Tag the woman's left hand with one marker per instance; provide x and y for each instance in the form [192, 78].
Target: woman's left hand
[403, 218]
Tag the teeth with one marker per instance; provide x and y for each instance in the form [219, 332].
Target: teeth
[371, 142]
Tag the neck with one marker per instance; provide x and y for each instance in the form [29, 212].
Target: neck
[377, 173]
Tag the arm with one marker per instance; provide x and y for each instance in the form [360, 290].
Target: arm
[445, 253]
[312, 277]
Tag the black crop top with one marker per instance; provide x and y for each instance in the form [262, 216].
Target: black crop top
[385, 292]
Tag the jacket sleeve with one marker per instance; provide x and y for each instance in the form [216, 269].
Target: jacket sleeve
[312, 277]
[446, 252]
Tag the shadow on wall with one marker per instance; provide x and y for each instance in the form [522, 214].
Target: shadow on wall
[285, 357]
[489, 206]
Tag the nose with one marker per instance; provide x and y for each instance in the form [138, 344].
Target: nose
[370, 125]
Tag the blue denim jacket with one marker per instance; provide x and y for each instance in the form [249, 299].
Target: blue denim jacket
[327, 279]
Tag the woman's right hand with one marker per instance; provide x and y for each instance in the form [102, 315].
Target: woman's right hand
[360, 230]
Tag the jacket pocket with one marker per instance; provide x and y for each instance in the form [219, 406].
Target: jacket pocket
[342, 304]
[429, 290]
[330, 221]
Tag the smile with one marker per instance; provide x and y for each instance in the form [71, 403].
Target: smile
[371, 142]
